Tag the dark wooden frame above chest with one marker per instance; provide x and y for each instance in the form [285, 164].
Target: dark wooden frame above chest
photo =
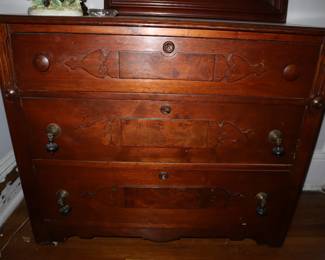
[252, 10]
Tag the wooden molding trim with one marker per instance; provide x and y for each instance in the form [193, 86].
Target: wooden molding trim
[5, 67]
[258, 10]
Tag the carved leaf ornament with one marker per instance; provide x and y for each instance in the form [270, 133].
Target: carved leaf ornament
[229, 68]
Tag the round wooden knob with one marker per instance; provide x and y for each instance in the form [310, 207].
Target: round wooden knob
[291, 72]
[41, 62]
[168, 47]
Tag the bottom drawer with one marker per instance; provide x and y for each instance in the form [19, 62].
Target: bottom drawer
[117, 198]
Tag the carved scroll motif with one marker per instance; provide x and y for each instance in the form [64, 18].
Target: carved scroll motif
[94, 63]
[234, 68]
[153, 65]
[161, 133]
[229, 133]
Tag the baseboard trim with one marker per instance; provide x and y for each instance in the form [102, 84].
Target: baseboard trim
[9, 208]
[315, 180]
[6, 165]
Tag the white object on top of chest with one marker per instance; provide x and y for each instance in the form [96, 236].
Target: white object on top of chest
[20, 7]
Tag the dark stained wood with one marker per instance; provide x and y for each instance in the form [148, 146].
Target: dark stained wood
[140, 24]
[136, 130]
[17, 130]
[136, 198]
[252, 10]
[312, 117]
[138, 64]
[305, 241]
[157, 142]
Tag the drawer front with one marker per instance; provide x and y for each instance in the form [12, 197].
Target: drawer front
[163, 64]
[88, 194]
[162, 131]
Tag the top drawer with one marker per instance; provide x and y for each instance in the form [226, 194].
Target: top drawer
[70, 62]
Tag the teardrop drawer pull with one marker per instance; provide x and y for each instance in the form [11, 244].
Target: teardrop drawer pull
[53, 131]
[261, 203]
[276, 138]
[63, 207]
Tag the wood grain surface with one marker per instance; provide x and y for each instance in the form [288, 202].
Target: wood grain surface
[251, 10]
[305, 240]
[164, 125]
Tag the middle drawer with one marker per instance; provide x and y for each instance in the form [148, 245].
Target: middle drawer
[162, 131]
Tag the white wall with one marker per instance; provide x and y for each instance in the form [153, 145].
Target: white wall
[5, 143]
[307, 12]
[11, 196]
[311, 12]
[7, 160]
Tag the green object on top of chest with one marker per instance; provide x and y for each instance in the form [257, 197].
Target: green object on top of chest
[55, 7]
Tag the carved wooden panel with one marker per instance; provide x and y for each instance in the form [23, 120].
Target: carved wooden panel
[155, 65]
[136, 130]
[139, 64]
[200, 67]
[179, 198]
[182, 133]
[160, 198]
[129, 196]
[108, 197]
[98, 63]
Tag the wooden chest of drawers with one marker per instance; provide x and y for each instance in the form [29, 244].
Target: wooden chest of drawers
[161, 129]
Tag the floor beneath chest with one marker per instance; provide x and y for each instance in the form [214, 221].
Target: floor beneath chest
[306, 240]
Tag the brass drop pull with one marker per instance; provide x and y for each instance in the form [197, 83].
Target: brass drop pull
[163, 176]
[276, 138]
[165, 109]
[318, 102]
[63, 207]
[53, 131]
[261, 203]
[168, 47]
